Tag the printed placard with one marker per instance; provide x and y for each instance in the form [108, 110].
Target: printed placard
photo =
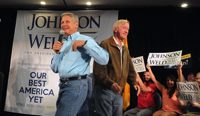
[138, 63]
[164, 59]
[188, 91]
[186, 60]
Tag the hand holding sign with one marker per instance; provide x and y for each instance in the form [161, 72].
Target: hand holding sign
[148, 67]
[180, 65]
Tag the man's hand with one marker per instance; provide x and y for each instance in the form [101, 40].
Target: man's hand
[116, 88]
[148, 67]
[180, 65]
[78, 43]
[137, 88]
[57, 46]
[194, 104]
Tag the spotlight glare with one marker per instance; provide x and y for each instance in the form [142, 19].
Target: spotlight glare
[43, 3]
[88, 3]
[184, 5]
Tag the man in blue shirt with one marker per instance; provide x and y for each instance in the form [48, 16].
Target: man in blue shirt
[71, 60]
[87, 109]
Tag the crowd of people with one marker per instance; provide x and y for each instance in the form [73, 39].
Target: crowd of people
[112, 68]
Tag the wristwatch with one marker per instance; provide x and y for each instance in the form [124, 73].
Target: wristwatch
[85, 42]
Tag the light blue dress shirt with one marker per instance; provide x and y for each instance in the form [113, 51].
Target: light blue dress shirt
[76, 63]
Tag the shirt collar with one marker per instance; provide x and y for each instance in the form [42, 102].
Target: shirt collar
[117, 42]
[73, 36]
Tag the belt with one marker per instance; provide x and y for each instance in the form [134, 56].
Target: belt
[72, 78]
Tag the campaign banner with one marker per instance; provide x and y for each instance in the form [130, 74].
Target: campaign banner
[138, 64]
[186, 61]
[32, 86]
[164, 59]
[188, 91]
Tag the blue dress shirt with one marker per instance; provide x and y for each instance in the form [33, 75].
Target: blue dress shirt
[76, 63]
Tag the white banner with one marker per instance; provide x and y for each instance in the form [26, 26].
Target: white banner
[164, 59]
[188, 91]
[32, 86]
[185, 59]
[138, 63]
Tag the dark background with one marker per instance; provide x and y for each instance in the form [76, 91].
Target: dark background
[152, 29]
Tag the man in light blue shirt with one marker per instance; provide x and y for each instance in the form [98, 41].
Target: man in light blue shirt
[71, 60]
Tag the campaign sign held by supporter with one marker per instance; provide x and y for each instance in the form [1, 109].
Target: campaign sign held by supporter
[138, 63]
[188, 91]
[164, 59]
[186, 60]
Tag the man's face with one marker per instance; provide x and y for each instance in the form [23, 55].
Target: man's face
[122, 31]
[190, 78]
[146, 77]
[69, 25]
[198, 79]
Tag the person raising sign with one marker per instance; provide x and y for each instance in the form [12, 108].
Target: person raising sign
[171, 106]
[191, 106]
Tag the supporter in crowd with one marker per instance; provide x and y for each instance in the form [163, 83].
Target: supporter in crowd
[198, 78]
[146, 106]
[171, 106]
[191, 105]
[194, 106]
[190, 77]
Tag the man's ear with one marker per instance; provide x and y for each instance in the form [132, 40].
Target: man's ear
[76, 24]
[115, 29]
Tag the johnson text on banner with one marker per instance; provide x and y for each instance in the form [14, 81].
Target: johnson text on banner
[164, 59]
[32, 86]
[139, 65]
[188, 91]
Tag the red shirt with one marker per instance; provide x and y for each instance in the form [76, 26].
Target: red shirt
[146, 99]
